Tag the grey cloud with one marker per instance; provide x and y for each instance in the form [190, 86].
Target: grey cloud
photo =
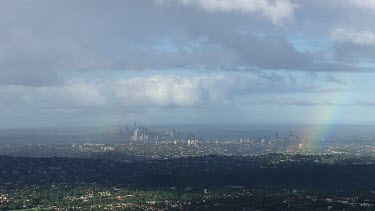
[222, 51]
[264, 53]
[337, 80]
[30, 77]
[277, 11]
[281, 101]
[351, 45]
[355, 54]
[52, 38]
[44, 42]
[154, 92]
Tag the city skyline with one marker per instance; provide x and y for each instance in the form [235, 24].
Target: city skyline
[95, 63]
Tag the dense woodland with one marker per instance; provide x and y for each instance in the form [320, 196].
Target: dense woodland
[274, 170]
[256, 181]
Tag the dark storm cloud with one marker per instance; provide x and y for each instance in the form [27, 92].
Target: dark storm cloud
[282, 101]
[29, 77]
[264, 53]
[353, 53]
[46, 39]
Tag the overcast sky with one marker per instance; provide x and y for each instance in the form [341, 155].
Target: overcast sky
[91, 62]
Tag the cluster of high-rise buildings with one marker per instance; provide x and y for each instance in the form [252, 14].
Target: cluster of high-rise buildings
[141, 133]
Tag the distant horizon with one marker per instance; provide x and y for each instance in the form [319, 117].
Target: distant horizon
[172, 125]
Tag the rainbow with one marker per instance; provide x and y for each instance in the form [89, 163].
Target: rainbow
[326, 116]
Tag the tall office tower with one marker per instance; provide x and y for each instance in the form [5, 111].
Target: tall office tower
[157, 136]
[277, 136]
[135, 136]
[145, 134]
[291, 136]
[142, 134]
[173, 133]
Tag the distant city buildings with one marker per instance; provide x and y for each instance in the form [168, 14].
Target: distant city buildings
[141, 133]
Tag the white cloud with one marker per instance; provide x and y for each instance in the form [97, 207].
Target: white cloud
[276, 11]
[365, 4]
[73, 94]
[151, 92]
[356, 37]
[158, 91]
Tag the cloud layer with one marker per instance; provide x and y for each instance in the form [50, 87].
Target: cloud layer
[366, 38]
[52, 39]
[278, 12]
[253, 59]
[159, 91]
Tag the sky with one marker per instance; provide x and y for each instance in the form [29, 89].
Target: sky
[95, 62]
